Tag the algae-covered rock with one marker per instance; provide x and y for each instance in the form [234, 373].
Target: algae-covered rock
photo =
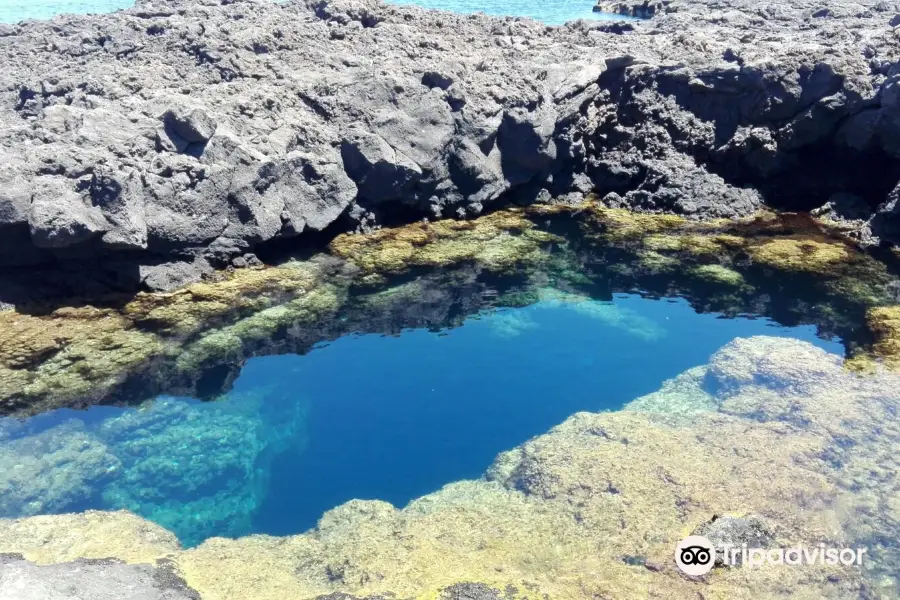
[53, 470]
[201, 305]
[682, 395]
[770, 363]
[498, 241]
[884, 323]
[84, 355]
[73, 352]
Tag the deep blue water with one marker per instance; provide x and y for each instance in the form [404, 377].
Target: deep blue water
[552, 13]
[371, 417]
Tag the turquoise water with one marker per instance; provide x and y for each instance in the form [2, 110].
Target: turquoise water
[552, 13]
[12, 11]
[556, 12]
[367, 416]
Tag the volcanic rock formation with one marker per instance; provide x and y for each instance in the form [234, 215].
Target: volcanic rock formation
[152, 144]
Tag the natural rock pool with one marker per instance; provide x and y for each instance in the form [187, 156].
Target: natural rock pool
[355, 300]
[545, 398]
[369, 417]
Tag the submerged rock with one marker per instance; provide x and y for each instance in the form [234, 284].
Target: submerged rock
[196, 469]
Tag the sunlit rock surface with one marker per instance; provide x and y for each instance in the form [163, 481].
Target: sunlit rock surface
[148, 146]
[771, 429]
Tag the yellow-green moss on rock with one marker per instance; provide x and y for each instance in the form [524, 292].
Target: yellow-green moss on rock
[498, 241]
[884, 324]
[77, 352]
[194, 307]
[86, 352]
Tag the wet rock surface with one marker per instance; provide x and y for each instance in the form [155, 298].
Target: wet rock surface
[143, 145]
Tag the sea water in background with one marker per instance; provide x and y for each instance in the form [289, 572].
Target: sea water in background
[12, 11]
[367, 416]
[556, 12]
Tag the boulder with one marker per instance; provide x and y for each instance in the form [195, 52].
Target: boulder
[60, 217]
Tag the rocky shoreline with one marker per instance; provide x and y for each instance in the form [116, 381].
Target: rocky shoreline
[145, 148]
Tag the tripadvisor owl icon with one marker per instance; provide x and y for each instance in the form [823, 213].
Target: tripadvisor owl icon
[695, 555]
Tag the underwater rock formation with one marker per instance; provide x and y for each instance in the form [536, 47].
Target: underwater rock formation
[194, 468]
[51, 471]
[594, 507]
[147, 146]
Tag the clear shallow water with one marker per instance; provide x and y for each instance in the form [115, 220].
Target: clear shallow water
[371, 417]
[552, 13]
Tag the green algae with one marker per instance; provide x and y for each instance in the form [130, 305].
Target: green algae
[227, 343]
[499, 241]
[718, 274]
[71, 353]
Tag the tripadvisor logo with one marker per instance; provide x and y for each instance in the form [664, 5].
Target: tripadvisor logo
[695, 555]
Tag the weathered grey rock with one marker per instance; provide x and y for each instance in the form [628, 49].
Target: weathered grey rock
[89, 579]
[168, 276]
[120, 197]
[642, 10]
[192, 125]
[381, 172]
[885, 223]
[192, 128]
[15, 200]
[59, 217]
